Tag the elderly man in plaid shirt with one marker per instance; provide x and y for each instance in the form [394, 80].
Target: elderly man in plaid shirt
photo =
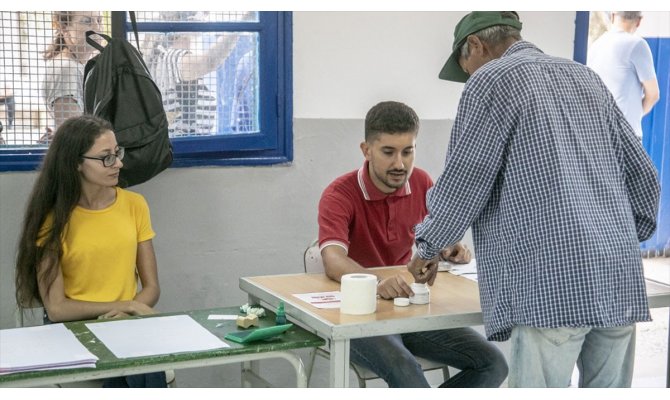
[559, 192]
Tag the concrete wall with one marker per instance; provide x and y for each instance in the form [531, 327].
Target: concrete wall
[215, 225]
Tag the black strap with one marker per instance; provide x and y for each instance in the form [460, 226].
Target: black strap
[95, 44]
[99, 47]
[133, 21]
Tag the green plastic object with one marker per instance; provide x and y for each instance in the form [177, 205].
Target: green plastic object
[280, 319]
[257, 334]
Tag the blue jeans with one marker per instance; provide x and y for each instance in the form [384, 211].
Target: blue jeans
[546, 357]
[392, 358]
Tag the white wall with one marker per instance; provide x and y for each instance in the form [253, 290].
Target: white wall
[346, 61]
[216, 225]
[655, 24]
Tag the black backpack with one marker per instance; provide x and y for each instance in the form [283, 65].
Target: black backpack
[118, 87]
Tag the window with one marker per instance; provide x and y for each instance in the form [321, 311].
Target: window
[225, 79]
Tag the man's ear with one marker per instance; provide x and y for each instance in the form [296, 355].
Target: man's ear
[365, 149]
[475, 45]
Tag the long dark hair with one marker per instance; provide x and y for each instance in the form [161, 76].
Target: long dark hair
[55, 194]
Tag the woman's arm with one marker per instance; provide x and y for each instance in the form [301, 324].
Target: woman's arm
[59, 308]
[148, 272]
[195, 65]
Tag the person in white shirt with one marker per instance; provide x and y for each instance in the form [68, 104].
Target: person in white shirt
[624, 62]
[178, 67]
[62, 87]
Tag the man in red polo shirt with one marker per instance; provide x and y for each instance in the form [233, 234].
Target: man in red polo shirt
[366, 219]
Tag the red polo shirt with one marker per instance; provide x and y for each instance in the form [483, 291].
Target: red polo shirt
[376, 229]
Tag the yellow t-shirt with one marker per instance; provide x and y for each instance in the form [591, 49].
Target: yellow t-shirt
[100, 249]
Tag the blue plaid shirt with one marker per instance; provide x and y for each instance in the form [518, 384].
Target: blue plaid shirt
[557, 189]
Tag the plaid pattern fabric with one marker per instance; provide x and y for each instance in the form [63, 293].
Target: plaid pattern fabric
[189, 105]
[557, 189]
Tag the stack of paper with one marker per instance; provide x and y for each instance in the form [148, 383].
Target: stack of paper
[42, 348]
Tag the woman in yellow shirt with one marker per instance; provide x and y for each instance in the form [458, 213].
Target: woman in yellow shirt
[85, 241]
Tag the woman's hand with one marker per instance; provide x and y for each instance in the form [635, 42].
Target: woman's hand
[128, 308]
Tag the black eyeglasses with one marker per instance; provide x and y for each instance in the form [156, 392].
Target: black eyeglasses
[109, 159]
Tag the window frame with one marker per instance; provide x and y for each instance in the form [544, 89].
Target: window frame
[274, 143]
[581, 42]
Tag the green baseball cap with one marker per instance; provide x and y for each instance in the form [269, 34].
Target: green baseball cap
[471, 23]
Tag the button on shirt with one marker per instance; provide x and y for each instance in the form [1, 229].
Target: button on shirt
[376, 229]
[558, 191]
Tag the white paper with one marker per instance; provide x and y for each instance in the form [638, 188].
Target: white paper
[154, 336]
[42, 347]
[321, 299]
[468, 270]
[222, 317]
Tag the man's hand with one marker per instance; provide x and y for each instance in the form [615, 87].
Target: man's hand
[392, 287]
[423, 270]
[457, 254]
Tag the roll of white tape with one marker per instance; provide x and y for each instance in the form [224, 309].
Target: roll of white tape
[359, 294]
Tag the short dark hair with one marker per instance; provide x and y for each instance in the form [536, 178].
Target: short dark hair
[390, 117]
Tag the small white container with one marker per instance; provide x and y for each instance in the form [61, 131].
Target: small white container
[421, 293]
[401, 302]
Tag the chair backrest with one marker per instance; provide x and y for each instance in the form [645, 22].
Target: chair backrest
[35, 311]
[313, 260]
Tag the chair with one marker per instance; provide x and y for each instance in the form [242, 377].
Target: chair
[34, 308]
[314, 265]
